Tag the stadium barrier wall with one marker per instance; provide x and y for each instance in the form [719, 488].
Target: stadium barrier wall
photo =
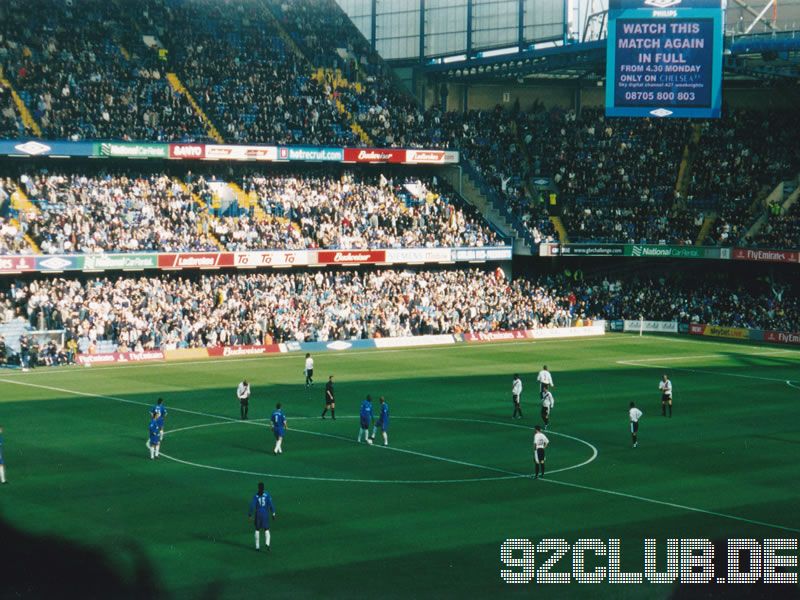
[185, 354]
[218, 351]
[120, 357]
[664, 251]
[171, 261]
[596, 328]
[231, 152]
[740, 333]
[412, 341]
[650, 326]
[335, 345]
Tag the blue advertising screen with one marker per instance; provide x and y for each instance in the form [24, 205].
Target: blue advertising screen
[664, 58]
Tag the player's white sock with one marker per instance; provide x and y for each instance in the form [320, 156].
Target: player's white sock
[279, 446]
[366, 436]
[258, 540]
[267, 538]
[385, 439]
[374, 430]
[157, 449]
[2, 474]
[152, 452]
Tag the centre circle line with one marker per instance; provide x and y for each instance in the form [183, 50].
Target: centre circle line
[505, 473]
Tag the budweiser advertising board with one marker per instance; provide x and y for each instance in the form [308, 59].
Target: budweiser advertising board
[372, 155]
[350, 257]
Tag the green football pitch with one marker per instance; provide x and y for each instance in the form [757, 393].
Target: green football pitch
[425, 517]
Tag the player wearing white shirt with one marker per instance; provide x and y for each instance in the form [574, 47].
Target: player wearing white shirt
[516, 392]
[243, 393]
[547, 404]
[309, 370]
[545, 379]
[540, 442]
[635, 414]
[665, 385]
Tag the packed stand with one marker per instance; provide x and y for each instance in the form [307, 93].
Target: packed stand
[178, 311]
[709, 299]
[10, 126]
[389, 115]
[740, 156]
[616, 177]
[169, 311]
[129, 212]
[491, 140]
[12, 235]
[782, 229]
[352, 211]
[251, 86]
[113, 213]
[78, 83]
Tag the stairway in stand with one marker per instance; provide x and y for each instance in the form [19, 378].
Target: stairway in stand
[176, 84]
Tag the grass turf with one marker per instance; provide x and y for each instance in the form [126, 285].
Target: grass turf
[426, 517]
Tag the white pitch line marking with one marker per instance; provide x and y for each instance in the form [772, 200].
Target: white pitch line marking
[422, 454]
[552, 481]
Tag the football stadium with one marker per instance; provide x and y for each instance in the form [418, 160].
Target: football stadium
[399, 299]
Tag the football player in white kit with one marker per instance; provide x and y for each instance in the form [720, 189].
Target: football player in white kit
[540, 442]
[635, 414]
[665, 385]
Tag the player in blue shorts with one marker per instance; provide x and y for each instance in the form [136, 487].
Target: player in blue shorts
[366, 419]
[383, 421]
[262, 506]
[161, 411]
[278, 420]
[154, 442]
[2, 464]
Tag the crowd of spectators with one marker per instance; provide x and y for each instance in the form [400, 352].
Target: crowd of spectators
[98, 70]
[176, 311]
[377, 102]
[709, 299]
[170, 311]
[10, 125]
[252, 86]
[492, 140]
[112, 213]
[782, 229]
[615, 177]
[354, 210]
[739, 157]
[78, 83]
[129, 212]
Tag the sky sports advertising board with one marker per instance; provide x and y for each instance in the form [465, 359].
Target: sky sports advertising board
[664, 58]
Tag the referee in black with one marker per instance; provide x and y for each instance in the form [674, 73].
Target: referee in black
[330, 399]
